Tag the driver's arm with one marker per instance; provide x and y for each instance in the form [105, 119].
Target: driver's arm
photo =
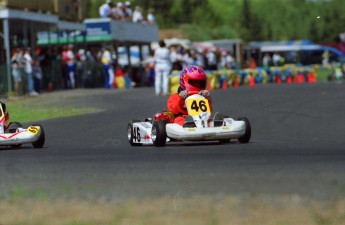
[175, 104]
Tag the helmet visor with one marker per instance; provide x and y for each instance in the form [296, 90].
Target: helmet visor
[201, 84]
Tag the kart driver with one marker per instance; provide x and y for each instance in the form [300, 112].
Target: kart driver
[4, 117]
[192, 78]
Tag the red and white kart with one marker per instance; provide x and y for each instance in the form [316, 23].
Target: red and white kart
[14, 135]
[161, 129]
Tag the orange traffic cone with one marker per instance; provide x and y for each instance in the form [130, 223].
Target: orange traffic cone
[289, 80]
[235, 82]
[300, 78]
[311, 77]
[251, 81]
[278, 80]
[224, 84]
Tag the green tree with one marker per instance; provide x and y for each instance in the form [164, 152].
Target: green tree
[320, 21]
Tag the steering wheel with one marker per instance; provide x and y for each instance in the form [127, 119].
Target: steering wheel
[181, 105]
[193, 92]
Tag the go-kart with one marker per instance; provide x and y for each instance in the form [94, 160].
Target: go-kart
[161, 129]
[14, 134]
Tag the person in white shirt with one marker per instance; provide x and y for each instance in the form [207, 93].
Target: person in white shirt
[175, 58]
[137, 15]
[107, 62]
[266, 60]
[226, 60]
[150, 17]
[105, 9]
[28, 72]
[211, 60]
[276, 59]
[162, 68]
[71, 66]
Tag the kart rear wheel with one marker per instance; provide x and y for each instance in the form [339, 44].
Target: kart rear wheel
[246, 136]
[41, 139]
[159, 135]
[130, 132]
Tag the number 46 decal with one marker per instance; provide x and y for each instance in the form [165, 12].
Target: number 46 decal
[202, 106]
[197, 106]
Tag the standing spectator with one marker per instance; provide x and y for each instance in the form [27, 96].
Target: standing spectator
[37, 76]
[276, 59]
[81, 63]
[149, 64]
[28, 73]
[105, 9]
[230, 61]
[252, 63]
[89, 72]
[108, 68]
[71, 66]
[187, 58]
[266, 60]
[175, 58]
[150, 16]
[137, 15]
[162, 68]
[199, 59]
[16, 73]
[211, 60]
[128, 10]
[325, 58]
[117, 12]
[64, 67]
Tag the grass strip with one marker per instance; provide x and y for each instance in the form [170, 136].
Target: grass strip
[26, 111]
[196, 210]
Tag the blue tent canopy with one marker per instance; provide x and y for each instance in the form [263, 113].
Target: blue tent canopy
[299, 45]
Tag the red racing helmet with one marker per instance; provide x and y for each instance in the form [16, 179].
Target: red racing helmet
[193, 78]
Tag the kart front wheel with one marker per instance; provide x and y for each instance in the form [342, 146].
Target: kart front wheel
[41, 138]
[131, 133]
[246, 136]
[159, 135]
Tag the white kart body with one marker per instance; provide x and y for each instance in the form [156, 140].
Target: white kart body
[197, 107]
[21, 136]
[230, 129]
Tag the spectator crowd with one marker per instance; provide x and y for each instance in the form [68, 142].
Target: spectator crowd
[165, 59]
[123, 11]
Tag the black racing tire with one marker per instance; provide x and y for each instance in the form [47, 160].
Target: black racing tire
[246, 136]
[12, 127]
[130, 132]
[159, 135]
[41, 139]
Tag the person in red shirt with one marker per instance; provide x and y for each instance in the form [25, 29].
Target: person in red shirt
[192, 78]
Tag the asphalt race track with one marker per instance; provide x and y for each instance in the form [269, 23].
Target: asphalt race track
[297, 147]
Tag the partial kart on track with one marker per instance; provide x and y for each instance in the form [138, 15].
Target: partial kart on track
[201, 127]
[14, 134]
